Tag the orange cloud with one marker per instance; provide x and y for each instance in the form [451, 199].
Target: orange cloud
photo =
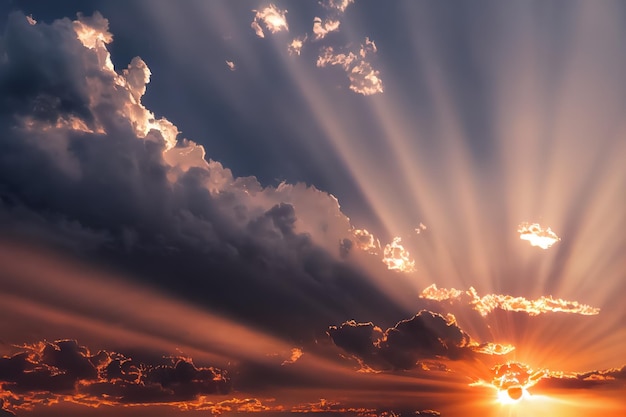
[397, 258]
[486, 304]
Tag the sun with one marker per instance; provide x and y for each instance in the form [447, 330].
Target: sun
[512, 394]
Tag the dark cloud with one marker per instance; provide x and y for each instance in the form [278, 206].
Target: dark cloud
[64, 368]
[86, 167]
[584, 380]
[426, 335]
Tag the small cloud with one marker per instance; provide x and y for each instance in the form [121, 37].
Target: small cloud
[296, 353]
[536, 235]
[366, 241]
[397, 258]
[486, 304]
[364, 79]
[274, 19]
[323, 28]
[231, 65]
[494, 348]
[296, 45]
[338, 5]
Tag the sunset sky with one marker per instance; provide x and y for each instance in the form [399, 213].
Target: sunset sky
[342, 207]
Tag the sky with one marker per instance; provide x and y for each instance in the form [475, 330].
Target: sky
[342, 207]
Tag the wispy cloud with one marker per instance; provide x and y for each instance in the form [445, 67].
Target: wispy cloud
[273, 18]
[364, 79]
[486, 304]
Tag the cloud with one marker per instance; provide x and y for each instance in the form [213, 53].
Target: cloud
[323, 28]
[114, 180]
[296, 353]
[274, 19]
[615, 377]
[295, 47]
[426, 335]
[536, 235]
[337, 5]
[397, 258]
[364, 79]
[65, 370]
[486, 304]
[366, 241]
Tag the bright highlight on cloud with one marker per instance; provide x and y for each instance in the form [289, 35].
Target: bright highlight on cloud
[65, 371]
[323, 28]
[295, 47]
[397, 258]
[366, 241]
[536, 235]
[364, 79]
[274, 20]
[486, 304]
[512, 381]
[338, 5]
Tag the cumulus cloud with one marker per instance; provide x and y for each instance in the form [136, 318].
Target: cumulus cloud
[426, 335]
[364, 79]
[537, 235]
[273, 18]
[87, 164]
[486, 304]
[65, 370]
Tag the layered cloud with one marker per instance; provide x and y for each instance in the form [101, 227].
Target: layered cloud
[487, 303]
[64, 370]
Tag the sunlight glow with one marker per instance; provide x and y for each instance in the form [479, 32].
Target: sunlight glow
[397, 258]
[536, 235]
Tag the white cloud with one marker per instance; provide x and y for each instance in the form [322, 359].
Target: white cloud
[296, 45]
[338, 5]
[364, 79]
[274, 19]
[536, 235]
[397, 258]
[323, 28]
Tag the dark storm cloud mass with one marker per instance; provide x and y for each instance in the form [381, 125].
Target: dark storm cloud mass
[64, 369]
[426, 335]
[83, 165]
